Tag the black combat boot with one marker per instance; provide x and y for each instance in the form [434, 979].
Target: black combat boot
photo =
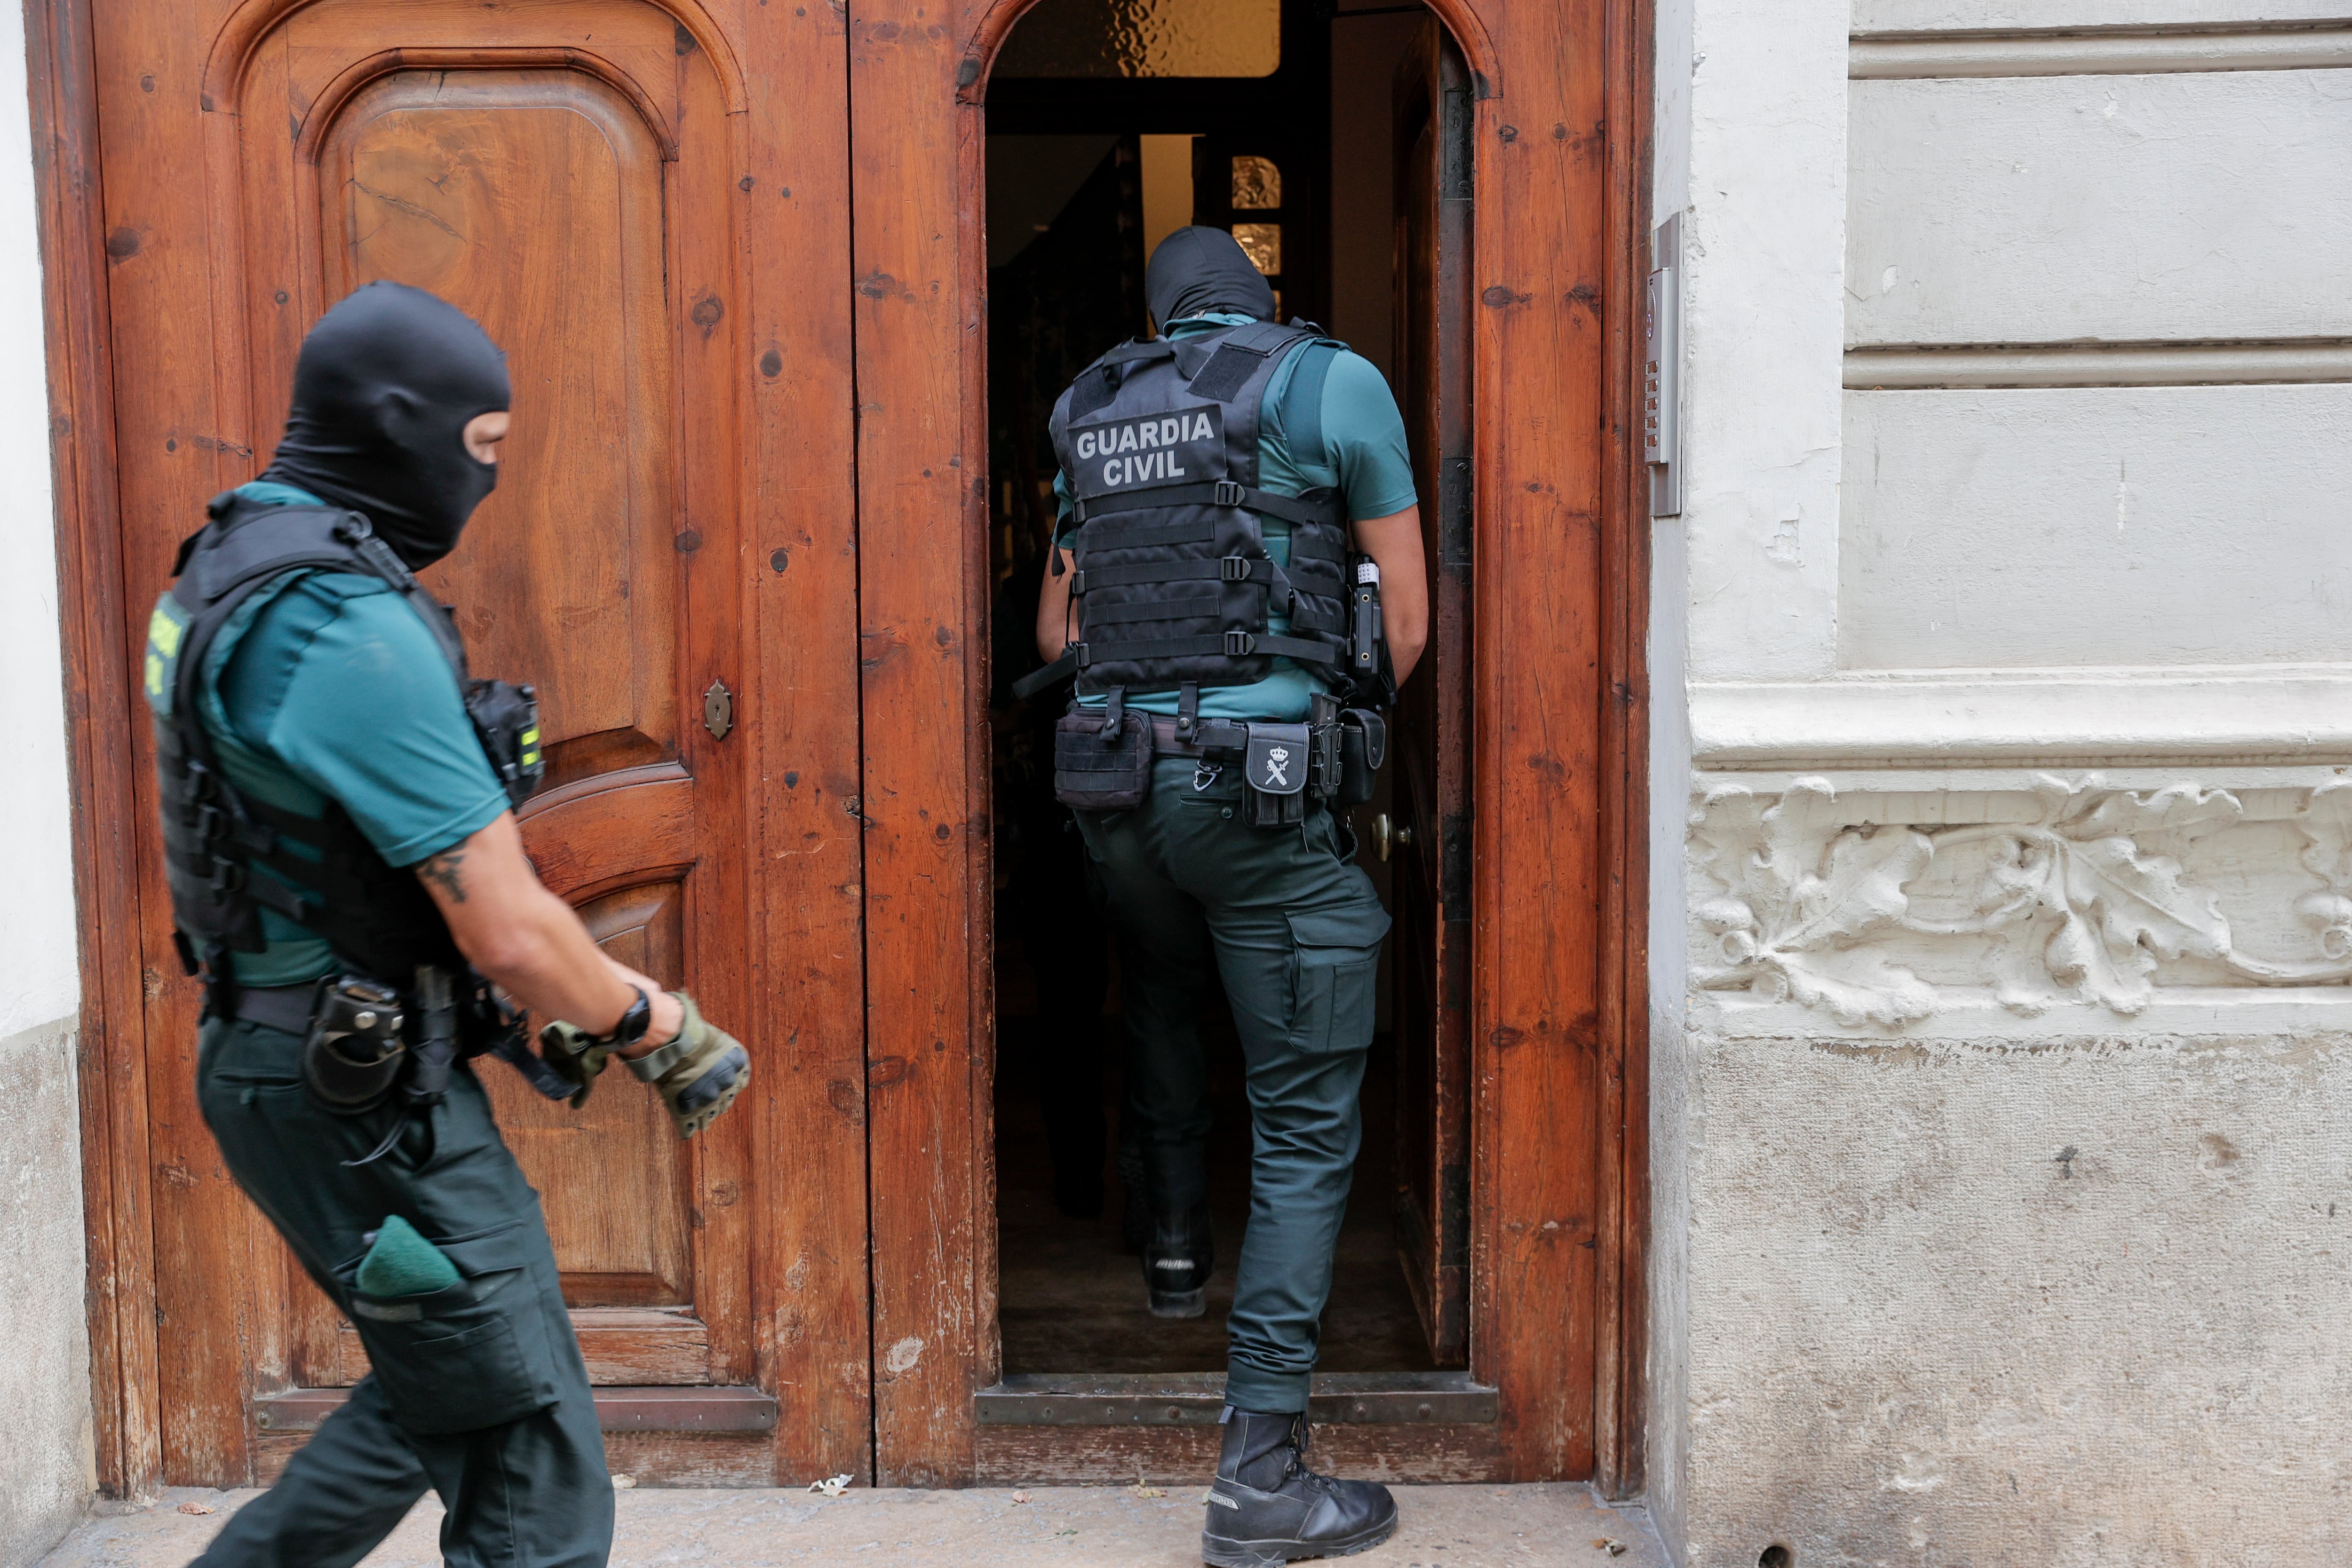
[1177, 1260]
[1267, 1508]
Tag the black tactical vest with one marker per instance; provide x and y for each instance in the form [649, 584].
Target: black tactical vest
[1173, 583]
[220, 845]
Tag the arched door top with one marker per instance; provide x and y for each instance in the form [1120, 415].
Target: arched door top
[253, 23]
[1461, 17]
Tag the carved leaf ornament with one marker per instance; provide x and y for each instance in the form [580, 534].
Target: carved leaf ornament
[2082, 904]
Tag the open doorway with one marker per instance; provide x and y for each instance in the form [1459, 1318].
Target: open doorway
[1334, 146]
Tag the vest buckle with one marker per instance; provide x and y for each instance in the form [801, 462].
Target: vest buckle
[1240, 644]
[1234, 567]
[227, 877]
[1229, 492]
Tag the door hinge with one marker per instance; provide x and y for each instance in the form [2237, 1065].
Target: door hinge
[718, 710]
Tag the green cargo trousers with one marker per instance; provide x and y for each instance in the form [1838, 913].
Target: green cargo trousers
[478, 1391]
[1292, 928]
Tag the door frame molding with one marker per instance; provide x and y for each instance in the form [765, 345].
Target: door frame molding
[1558, 969]
[61, 76]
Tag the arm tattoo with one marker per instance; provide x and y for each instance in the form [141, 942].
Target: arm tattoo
[441, 872]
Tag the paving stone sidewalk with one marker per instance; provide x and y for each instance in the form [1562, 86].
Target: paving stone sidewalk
[1095, 1527]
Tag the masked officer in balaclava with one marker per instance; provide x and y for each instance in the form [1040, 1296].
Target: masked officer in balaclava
[1232, 493]
[346, 870]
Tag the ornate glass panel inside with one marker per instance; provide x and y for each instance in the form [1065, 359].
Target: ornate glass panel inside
[1145, 39]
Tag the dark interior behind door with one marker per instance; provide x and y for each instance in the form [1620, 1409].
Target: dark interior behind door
[1431, 830]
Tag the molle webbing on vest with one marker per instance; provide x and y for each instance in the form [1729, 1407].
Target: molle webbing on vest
[1174, 586]
[228, 855]
[1290, 508]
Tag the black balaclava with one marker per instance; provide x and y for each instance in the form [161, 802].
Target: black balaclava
[385, 385]
[1197, 270]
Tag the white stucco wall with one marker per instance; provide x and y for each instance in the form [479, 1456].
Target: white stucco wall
[44, 1419]
[1763, 308]
[1667, 650]
[2101, 207]
[2038, 528]
[2003, 791]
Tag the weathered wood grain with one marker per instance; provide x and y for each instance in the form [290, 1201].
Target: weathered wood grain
[60, 51]
[624, 1348]
[1543, 452]
[807, 1181]
[922, 559]
[1629, 38]
[1184, 1456]
[588, 179]
[647, 1458]
[827, 564]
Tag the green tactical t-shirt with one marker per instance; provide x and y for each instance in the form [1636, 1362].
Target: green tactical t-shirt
[327, 686]
[1364, 457]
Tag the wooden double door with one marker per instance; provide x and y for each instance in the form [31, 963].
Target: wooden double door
[739, 545]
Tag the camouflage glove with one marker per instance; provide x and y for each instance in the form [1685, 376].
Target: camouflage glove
[573, 1055]
[697, 1074]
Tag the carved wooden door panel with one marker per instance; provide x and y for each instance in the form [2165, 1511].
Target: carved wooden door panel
[1430, 945]
[531, 195]
[607, 186]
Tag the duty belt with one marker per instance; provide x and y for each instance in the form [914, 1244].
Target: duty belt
[1217, 738]
[1284, 763]
[285, 1009]
[291, 1010]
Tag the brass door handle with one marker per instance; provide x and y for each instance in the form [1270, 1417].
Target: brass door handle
[1388, 835]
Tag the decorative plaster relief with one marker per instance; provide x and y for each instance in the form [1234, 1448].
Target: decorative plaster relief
[1882, 908]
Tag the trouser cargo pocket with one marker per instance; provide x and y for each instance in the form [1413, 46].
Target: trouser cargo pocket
[476, 1354]
[1335, 966]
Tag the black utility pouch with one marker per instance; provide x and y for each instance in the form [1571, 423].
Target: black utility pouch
[1276, 767]
[353, 1053]
[1363, 750]
[1093, 772]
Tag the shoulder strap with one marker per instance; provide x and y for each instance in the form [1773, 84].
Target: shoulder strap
[1098, 384]
[1139, 348]
[1038, 680]
[1240, 353]
[1302, 406]
[221, 573]
[279, 540]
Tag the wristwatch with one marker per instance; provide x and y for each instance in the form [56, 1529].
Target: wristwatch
[633, 1025]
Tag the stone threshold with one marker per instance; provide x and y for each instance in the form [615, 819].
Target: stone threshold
[1540, 1526]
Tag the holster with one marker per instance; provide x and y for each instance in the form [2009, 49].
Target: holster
[436, 1037]
[506, 720]
[353, 1052]
[367, 1040]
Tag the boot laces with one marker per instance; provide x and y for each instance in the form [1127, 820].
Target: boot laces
[1297, 1466]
